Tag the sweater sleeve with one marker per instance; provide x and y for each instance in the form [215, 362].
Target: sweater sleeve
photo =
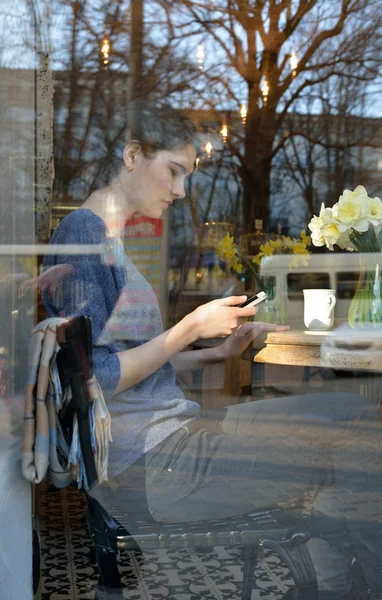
[88, 286]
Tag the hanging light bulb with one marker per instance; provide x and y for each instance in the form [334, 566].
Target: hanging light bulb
[293, 61]
[243, 113]
[224, 133]
[197, 162]
[208, 148]
[265, 91]
[105, 50]
[200, 54]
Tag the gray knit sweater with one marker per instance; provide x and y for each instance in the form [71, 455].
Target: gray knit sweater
[125, 313]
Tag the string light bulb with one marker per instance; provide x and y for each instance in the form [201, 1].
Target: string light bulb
[197, 162]
[200, 54]
[208, 148]
[243, 113]
[224, 133]
[293, 61]
[265, 91]
[105, 51]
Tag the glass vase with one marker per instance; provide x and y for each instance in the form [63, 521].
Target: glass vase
[272, 310]
[365, 309]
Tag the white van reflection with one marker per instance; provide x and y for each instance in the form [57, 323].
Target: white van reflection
[338, 271]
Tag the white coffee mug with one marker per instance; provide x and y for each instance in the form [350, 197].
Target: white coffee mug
[319, 309]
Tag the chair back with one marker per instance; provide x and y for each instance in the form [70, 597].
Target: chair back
[75, 367]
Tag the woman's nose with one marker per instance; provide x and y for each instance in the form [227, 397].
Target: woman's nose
[178, 189]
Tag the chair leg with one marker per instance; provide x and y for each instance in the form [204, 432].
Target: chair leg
[296, 556]
[249, 555]
[109, 581]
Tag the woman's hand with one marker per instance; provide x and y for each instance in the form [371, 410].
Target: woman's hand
[238, 341]
[219, 318]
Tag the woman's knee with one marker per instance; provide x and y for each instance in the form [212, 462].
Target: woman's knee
[346, 407]
[352, 400]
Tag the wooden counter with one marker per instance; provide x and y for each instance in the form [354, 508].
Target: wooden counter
[343, 348]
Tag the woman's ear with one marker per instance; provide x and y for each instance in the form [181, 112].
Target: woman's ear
[130, 154]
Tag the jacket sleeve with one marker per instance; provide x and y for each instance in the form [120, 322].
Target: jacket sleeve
[88, 286]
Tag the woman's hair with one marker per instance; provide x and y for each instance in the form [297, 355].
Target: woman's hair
[160, 128]
[154, 127]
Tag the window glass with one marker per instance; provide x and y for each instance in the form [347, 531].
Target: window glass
[152, 154]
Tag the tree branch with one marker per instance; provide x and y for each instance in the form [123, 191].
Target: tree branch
[326, 145]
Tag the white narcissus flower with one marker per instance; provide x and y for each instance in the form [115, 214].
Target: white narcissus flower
[329, 228]
[354, 213]
[375, 211]
[377, 229]
[344, 242]
[315, 227]
[352, 210]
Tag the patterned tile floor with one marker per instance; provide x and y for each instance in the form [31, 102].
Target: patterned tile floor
[69, 574]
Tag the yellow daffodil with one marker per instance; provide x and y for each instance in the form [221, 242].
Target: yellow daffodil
[237, 266]
[267, 250]
[299, 260]
[237, 261]
[289, 242]
[276, 244]
[284, 245]
[299, 248]
[305, 238]
[228, 252]
[226, 247]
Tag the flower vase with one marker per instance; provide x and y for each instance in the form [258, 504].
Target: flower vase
[366, 306]
[272, 310]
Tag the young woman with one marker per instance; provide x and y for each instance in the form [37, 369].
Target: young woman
[183, 463]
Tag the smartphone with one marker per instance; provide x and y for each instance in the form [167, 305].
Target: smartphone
[253, 300]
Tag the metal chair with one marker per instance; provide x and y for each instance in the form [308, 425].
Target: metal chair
[284, 532]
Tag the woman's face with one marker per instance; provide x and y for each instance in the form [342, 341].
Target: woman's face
[157, 182]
